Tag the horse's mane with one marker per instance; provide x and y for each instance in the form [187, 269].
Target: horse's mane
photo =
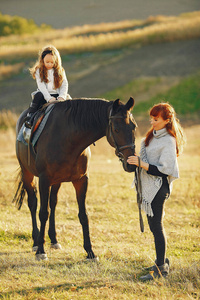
[87, 111]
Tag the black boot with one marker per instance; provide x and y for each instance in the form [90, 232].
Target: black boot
[151, 268]
[28, 122]
[157, 272]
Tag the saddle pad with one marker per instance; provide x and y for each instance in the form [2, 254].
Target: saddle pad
[38, 132]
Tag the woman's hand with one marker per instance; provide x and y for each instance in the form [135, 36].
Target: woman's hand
[134, 160]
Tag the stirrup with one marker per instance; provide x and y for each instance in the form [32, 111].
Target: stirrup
[28, 124]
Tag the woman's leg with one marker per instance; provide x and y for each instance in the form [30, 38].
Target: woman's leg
[156, 223]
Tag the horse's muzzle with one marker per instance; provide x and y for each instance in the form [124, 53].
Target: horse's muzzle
[129, 168]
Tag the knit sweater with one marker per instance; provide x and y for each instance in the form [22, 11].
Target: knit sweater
[161, 152]
[47, 89]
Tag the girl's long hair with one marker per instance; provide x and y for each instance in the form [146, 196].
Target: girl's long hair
[167, 112]
[58, 69]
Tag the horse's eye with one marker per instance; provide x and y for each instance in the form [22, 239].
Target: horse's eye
[116, 130]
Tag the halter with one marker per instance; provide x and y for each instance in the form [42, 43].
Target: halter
[118, 149]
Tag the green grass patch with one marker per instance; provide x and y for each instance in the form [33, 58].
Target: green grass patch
[10, 237]
[136, 86]
[10, 25]
[184, 97]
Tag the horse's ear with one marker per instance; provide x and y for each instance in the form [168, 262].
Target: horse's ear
[115, 105]
[130, 103]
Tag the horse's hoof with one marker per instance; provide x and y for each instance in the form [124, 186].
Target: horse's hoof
[95, 259]
[41, 256]
[34, 249]
[92, 257]
[56, 246]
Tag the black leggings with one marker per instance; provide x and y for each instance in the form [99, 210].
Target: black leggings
[156, 224]
[38, 102]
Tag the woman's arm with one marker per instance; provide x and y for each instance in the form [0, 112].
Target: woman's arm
[133, 160]
[151, 169]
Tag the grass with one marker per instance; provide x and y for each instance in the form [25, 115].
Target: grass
[183, 96]
[8, 119]
[114, 227]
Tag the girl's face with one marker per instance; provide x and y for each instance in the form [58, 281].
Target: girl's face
[158, 122]
[49, 61]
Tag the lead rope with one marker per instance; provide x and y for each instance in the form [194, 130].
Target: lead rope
[139, 194]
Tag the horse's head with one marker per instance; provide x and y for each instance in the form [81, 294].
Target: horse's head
[121, 131]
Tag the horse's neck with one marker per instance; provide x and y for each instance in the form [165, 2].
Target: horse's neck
[100, 130]
[97, 124]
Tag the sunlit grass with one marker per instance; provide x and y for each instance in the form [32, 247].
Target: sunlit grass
[114, 227]
[8, 70]
[107, 36]
[8, 119]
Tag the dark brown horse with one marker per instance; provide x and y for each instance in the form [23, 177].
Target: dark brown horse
[62, 153]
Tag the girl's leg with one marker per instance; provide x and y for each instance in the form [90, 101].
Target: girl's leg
[156, 224]
[38, 101]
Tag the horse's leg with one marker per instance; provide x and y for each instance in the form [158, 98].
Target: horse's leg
[44, 188]
[52, 229]
[81, 190]
[27, 179]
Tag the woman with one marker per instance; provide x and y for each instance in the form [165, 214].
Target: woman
[158, 159]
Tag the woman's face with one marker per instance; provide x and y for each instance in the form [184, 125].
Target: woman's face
[158, 122]
[49, 61]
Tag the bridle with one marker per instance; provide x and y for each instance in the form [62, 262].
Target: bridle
[138, 185]
[118, 149]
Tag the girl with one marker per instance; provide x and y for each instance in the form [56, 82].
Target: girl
[51, 80]
[158, 154]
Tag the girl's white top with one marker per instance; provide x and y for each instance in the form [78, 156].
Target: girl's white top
[161, 152]
[48, 88]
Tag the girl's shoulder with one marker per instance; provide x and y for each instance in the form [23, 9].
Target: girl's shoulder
[37, 71]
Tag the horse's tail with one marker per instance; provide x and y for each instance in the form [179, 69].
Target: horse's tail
[20, 193]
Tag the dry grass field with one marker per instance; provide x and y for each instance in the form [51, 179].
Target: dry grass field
[122, 250]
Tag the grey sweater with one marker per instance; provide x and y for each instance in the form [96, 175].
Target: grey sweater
[161, 152]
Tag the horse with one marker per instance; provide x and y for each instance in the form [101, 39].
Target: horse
[62, 153]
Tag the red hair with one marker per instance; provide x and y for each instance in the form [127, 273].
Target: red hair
[58, 69]
[167, 112]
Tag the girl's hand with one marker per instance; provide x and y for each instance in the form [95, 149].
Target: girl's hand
[133, 160]
[52, 100]
[60, 99]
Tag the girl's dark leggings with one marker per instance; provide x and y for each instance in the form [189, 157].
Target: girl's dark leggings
[156, 224]
[38, 102]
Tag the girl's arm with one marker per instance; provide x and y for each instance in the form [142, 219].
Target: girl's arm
[64, 88]
[42, 87]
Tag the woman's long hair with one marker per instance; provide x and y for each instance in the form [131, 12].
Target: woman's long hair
[58, 69]
[167, 112]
